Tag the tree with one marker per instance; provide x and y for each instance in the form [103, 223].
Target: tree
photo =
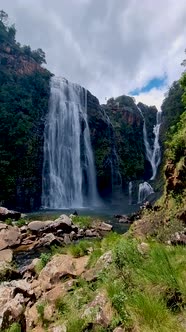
[3, 17]
[39, 56]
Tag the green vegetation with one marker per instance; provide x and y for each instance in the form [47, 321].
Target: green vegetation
[79, 249]
[24, 94]
[145, 286]
[15, 327]
[44, 259]
[82, 221]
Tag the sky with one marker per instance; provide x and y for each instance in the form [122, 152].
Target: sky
[111, 47]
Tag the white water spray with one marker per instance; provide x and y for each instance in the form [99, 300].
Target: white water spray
[68, 159]
[145, 190]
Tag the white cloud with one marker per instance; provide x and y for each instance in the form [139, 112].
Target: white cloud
[111, 47]
[153, 97]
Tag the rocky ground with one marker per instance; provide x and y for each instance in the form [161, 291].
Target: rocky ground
[23, 288]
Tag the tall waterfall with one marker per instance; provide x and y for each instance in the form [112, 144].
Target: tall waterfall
[69, 178]
[153, 154]
[145, 190]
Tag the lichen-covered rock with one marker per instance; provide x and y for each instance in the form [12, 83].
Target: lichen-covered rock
[99, 310]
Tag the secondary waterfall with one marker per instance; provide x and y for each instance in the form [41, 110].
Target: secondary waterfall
[69, 178]
[153, 154]
[130, 192]
[145, 190]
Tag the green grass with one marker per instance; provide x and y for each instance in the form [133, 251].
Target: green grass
[80, 248]
[44, 259]
[82, 221]
[15, 327]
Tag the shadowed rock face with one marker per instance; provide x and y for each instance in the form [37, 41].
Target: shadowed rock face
[117, 140]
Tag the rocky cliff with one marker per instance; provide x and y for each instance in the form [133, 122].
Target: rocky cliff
[117, 139]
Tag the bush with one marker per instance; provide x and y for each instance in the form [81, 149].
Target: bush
[82, 221]
[44, 259]
[15, 328]
[79, 249]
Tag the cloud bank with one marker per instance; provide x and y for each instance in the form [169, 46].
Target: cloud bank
[111, 47]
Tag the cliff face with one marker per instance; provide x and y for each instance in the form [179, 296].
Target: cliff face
[18, 62]
[117, 140]
[24, 94]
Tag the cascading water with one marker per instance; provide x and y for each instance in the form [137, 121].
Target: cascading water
[145, 190]
[153, 155]
[130, 192]
[66, 143]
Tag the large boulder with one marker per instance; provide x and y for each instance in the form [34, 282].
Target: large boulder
[9, 237]
[5, 214]
[59, 267]
[63, 224]
[13, 298]
[38, 225]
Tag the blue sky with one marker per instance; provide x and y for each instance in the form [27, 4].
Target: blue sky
[155, 83]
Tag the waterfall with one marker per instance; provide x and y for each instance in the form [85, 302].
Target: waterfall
[68, 166]
[153, 155]
[145, 190]
[130, 192]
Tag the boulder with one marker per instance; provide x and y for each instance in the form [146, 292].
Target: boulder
[58, 291]
[61, 266]
[99, 311]
[91, 233]
[49, 311]
[143, 248]
[119, 329]
[13, 311]
[62, 224]
[32, 317]
[38, 225]
[103, 262]
[65, 219]
[9, 237]
[48, 240]
[59, 328]
[3, 243]
[3, 226]
[6, 255]
[5, 214]
[103, 226]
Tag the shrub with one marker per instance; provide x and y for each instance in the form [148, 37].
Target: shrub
[79, 249]
[44, 259]
[82, 221]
